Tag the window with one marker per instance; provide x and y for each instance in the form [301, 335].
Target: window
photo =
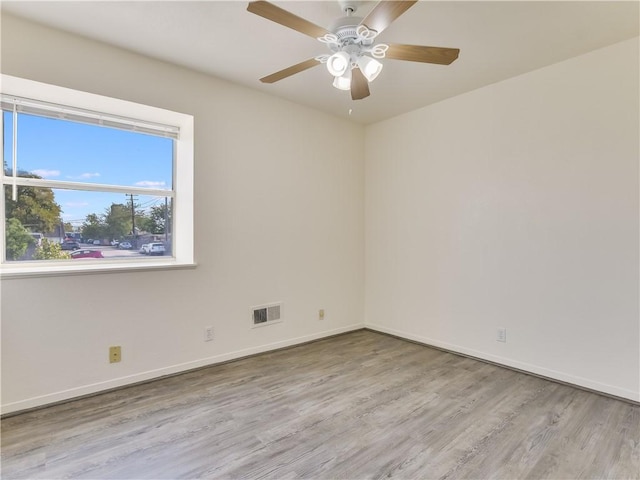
[88, 181]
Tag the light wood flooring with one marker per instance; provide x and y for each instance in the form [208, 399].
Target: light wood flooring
[357, 406]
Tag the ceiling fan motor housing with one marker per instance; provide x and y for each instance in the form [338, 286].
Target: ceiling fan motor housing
[345, 28]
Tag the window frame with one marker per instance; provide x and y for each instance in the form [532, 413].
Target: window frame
[181, 193]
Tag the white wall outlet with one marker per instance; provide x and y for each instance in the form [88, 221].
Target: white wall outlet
[501, 335]
[208, 334]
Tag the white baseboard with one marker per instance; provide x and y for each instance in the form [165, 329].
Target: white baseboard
[507, 362]
[94, 388]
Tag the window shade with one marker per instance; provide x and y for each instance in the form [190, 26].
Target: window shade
[73, 114]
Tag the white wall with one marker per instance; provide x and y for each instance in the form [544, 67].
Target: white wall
[279, 216]
[515, 206]
[512, 206]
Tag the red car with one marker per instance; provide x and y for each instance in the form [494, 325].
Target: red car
[87, 254]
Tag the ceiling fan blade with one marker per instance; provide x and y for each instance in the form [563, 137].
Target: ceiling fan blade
[385, 12]
[276, 14]
[419, 53]
[359, 85]
[292, 70]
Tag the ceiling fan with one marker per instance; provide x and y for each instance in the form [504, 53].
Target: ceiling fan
[353, 60]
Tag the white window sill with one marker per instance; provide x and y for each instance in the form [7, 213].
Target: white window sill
[10, 271]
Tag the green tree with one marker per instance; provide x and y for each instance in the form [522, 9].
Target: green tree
[144, 222]
[18, 239]
[49, 250]
[35, 207]
[158, 216]
[117, 219]
[93, 227]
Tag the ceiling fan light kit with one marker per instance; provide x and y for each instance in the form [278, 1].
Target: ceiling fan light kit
[354, 58]
[352, 44]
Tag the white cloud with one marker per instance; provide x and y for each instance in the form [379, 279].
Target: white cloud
[84, 176]
[46, 173]
[149, 183]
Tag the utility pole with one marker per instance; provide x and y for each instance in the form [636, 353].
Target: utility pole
[133, 218]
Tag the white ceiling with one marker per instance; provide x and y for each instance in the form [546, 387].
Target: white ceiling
[497, 40]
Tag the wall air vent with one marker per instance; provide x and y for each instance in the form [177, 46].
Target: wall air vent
[266, 314]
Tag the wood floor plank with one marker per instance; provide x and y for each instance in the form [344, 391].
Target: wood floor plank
[360, 405]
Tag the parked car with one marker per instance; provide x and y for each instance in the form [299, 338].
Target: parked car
[125, 246]
[156, 249]
[70, 246]
[144, 249]
[97, 242]
[90, 241]
[114, 243]
[87, 254]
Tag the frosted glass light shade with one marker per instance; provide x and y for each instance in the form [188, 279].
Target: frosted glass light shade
[338, 63]
[343, 82]
[370, 67]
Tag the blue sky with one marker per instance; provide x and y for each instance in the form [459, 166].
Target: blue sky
[76, 152]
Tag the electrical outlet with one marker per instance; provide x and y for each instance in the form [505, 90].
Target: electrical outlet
[208, 334]
[321, 314]
[115, 354]
[501, 335]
